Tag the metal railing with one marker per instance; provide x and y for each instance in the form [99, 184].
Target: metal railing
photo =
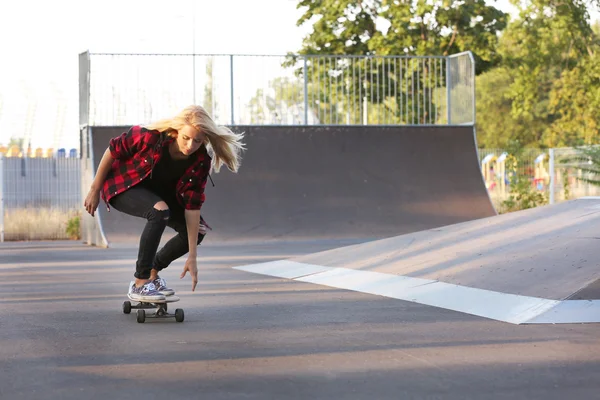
[547, 172]
[122, 89]
[566, 177]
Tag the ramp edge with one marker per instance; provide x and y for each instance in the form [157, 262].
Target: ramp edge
[504, 307]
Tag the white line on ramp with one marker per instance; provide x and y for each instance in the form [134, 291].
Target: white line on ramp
[506, 307]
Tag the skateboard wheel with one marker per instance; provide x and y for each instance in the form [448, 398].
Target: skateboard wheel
[127, 307]
[179, 315]
[141, 316]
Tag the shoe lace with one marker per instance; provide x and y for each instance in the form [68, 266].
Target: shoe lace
[149, 287]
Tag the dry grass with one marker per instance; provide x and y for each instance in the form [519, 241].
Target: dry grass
[37, 224]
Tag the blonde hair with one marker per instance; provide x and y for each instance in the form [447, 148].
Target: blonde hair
[223, 145]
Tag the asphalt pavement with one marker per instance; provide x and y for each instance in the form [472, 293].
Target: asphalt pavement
[63, 335]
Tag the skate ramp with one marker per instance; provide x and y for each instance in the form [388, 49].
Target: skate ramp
[549, 252]
[533, 266]
[317, 182]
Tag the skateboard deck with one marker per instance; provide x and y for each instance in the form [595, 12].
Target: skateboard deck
[168, 299]
[159, 306]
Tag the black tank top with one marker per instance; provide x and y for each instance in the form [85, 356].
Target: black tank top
[166, 173]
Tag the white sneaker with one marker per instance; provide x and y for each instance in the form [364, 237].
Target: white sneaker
[145, 292]
[162, 288]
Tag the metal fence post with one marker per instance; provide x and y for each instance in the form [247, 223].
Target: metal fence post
[1, 198]
[305, 92]
[232, 101]
[474, 91]
[194, 50]
[552, 185]
[448, 91]
[194, 77]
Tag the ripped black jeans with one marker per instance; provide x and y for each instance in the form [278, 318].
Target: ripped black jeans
[139, 202]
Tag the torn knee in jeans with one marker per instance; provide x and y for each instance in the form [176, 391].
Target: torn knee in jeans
[165, 214]
[160, 208]
[158, 215]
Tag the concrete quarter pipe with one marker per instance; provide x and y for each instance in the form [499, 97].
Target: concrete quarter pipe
[313, 182]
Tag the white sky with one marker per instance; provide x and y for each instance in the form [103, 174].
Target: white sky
[40, 41]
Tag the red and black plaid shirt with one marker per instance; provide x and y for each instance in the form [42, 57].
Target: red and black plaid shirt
[137, 151]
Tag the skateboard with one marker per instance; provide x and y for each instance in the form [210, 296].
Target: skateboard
[160, 307]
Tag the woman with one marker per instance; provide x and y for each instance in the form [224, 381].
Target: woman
[159, 172]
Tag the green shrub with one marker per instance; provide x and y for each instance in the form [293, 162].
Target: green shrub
[523, 194]
[73, 228]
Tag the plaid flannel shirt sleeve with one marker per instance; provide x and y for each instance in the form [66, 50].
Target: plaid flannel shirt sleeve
[193, 196]
[127, 144]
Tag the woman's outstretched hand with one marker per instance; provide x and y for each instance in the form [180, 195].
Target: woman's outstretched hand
[191, 266]
[91, 201]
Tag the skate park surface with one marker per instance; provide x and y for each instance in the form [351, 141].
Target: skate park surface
[459, 303]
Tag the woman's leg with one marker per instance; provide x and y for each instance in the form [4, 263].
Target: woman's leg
[178, 245]
[143, 203]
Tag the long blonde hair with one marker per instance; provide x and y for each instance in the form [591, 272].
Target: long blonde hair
[223, 145]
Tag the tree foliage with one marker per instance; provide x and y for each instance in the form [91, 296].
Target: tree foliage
[550, 69]
[209, 99]
[400, 27]
[575, 104]
[392, 91]
[537, 76]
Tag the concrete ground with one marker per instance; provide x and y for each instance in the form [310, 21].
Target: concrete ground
[63, 335]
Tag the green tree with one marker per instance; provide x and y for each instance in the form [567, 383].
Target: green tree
[379, 90]
[372, 89]
[493, 105]
[548, 38]
[575, 104]
[441, 28]
[282, 102]
[543, 94]
[418, 27]
[257, 109]
[340, 27]
[209, 100]
[496, 125]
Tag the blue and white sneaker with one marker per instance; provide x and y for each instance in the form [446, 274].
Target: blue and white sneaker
[161, 287]
[145, 292]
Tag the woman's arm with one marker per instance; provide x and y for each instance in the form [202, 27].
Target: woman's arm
[103, 168]
[192, 220]
[120, 147]
[193, 198]
[93, 198]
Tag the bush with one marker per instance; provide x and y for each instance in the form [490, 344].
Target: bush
[73, 228]
[523, 194]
